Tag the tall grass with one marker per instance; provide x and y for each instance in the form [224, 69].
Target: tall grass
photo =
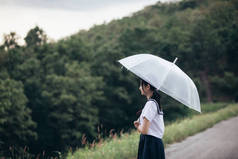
[125, 147]
[205, 108]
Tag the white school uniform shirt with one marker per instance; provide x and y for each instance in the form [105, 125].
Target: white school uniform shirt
[150, 112]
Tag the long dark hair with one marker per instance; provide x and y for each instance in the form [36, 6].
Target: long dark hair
[155, 95]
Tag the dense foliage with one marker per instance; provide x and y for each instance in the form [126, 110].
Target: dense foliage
[52, 93]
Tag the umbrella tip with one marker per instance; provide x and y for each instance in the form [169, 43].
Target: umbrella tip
[175, 60]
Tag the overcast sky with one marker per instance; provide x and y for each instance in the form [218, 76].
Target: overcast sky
[60, 18]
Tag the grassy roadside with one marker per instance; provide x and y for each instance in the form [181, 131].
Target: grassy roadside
[180, 130]
[126, 146]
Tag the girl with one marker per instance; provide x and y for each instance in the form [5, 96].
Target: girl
[150, 124]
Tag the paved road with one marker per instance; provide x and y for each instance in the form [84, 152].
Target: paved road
[218, 142]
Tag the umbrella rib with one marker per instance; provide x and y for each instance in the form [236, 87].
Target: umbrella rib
[180, 100]
[162, 81]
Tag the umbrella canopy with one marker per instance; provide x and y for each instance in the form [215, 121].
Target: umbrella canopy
[165, 76]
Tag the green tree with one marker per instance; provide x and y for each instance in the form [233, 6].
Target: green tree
[209, 39]
[35, 37]
[10, 41]
[69, 98]
[74, 48]
[120, 103]
[16, 125]
[224, 86]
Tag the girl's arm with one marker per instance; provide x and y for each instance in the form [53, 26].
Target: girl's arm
[144, 127]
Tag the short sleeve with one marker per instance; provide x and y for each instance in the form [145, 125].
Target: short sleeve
[150, 110]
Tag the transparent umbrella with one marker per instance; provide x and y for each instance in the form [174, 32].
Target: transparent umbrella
[165, 76]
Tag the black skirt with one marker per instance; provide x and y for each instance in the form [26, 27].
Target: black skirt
[150, 147]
